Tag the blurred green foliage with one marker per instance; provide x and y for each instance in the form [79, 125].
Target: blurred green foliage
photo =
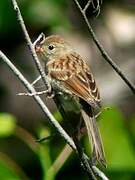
[118, 137]
[46, 14]
[7, 124]
[119, 148]
[6, 173]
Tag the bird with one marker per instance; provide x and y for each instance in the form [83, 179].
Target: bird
[69, 75]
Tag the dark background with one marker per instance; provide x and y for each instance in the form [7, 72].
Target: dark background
[21, 120]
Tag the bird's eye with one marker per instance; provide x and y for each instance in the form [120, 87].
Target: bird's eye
[51, 47]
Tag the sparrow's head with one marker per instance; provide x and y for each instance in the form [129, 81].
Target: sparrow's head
[51, 47]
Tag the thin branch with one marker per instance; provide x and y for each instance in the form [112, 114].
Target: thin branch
[97, 6]
[45, 110]
[84, 159]
[87, 164]
[29, 43]
[28, 86]
[99, 173]
[86, 6]
[39, 67]
[103, 52]
[36, 80]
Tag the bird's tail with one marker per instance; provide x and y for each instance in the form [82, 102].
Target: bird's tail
[94, 138]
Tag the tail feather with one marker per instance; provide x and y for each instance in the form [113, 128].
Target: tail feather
[94, 137]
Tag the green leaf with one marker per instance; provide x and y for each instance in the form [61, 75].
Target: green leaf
[44, 156]
[118, 147]
[7, 124]
[6, 173]
[132, 128]
[9, 170]
[58, 116]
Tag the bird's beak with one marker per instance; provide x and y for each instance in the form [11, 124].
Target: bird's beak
[39, 49]
[38, 44]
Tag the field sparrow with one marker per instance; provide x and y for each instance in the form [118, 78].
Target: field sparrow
[70, 75]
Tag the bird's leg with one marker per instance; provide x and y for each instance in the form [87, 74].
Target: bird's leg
[36, 80]
[35, 93]
[48, 92]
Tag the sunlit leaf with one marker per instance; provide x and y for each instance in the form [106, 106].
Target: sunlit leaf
[58, 116]
[118, 148]
[9, 170]
[6, 173]
[7, 124]
[44, 155]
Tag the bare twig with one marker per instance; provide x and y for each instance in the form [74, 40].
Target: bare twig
[36, 80]
[45, 110]
[87, 164]
[39, 67]
[84, 159]
[95, 7]
[86, 6]
[32, 94]
[103, 52]
[50, 117]
[99, 173]
[30, 45]
[52, 120]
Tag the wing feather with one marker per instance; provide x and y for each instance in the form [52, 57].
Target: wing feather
[76, 77]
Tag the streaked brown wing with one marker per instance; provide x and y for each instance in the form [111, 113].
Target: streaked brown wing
[75, 75]
[86, 90]
[93, 88]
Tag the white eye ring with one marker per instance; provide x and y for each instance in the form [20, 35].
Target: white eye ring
[51, 47]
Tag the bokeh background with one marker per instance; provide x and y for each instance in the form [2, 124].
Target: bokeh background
[21, 120]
